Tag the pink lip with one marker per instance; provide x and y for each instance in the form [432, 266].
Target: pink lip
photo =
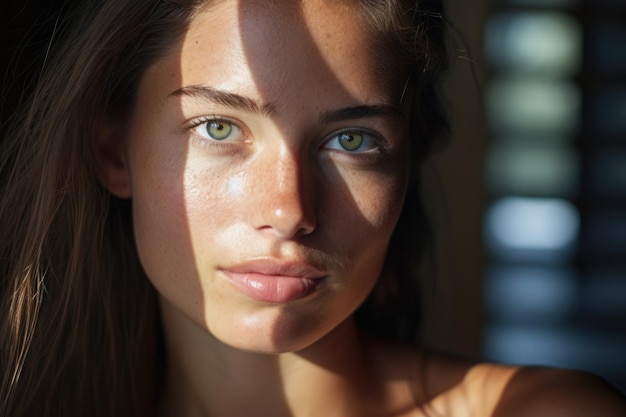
[274, 281]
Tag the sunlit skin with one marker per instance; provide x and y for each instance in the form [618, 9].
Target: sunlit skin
[282, 184]
[218, 185]
[267, 141]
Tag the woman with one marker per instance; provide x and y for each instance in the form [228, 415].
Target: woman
[210, 210]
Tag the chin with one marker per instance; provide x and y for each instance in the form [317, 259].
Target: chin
[276, 334]
[265, 344]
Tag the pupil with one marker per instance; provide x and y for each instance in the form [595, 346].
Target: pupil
[219, 130]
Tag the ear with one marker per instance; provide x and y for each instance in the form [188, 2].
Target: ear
[109, 148]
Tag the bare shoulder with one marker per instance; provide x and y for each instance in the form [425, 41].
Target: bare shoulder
[435, 384]
[507, 391]
[558, 393]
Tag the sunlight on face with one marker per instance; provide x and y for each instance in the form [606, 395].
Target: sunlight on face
[268, 167]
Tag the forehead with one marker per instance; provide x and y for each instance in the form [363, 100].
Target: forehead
[265, 46]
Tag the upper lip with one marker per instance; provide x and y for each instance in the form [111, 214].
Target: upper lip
[279, 267]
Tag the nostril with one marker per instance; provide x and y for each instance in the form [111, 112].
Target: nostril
[293, 222]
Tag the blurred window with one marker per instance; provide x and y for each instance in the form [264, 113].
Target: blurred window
[555, 231]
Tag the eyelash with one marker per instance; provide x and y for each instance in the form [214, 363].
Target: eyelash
[377, 141]
[379, 146]
[205, 120]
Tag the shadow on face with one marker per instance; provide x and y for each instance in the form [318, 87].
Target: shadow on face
[266, 147]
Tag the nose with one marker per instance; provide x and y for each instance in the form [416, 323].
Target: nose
[285, 204]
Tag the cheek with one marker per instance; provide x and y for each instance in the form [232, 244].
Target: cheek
[210, 200]
[363, 222]
[374, 201]
[380, 201]
[175, 210]
[160, 217]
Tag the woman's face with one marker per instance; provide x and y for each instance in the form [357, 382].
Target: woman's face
[267, 162]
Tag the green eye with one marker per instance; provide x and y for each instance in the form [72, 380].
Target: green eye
[353, 141]
[350, 141]
[219, 130]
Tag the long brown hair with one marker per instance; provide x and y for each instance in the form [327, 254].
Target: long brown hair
[78, 318]
[76, 308]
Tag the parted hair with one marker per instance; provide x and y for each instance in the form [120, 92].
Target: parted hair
[79, 325]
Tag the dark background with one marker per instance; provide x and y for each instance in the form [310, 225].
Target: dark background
[25, 31]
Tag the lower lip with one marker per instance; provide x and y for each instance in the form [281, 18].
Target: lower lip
[272, 288]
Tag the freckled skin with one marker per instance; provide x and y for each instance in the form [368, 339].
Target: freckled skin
[281, 186]
[277, 192]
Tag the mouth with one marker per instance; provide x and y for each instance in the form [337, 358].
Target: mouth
[274, 281]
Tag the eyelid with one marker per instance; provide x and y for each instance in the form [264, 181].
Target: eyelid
[379, 141]
[203, 120]
[197, 121]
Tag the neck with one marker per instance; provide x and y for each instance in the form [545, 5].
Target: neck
[208, 378]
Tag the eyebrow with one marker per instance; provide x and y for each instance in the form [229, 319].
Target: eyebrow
[361, 112]
[238, 102]
[232, 100]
